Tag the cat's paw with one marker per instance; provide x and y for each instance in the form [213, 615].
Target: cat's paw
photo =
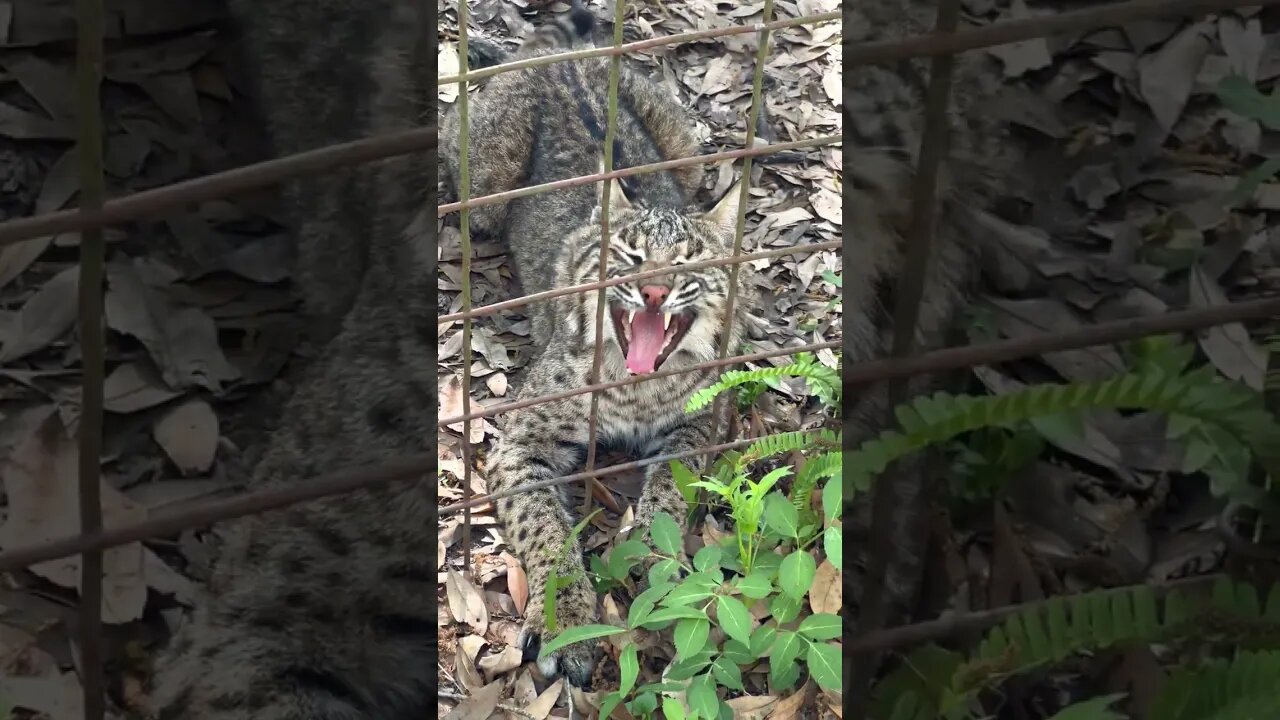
[575, 607]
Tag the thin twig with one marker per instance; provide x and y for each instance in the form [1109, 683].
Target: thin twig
[89, 20]
[744, 194]
[597, 357]
[464, 193]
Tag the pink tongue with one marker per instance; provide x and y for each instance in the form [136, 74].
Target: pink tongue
[646, 342]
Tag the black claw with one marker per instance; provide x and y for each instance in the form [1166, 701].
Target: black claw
[532, 644]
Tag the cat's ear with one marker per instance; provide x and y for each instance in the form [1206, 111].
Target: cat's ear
[618, 199]
[725, 212]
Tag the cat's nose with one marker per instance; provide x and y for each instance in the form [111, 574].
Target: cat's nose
[654, 295]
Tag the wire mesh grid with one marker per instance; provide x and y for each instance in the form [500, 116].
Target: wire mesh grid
[93, 214]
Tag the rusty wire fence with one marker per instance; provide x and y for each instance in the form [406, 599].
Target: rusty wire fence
[93, 214]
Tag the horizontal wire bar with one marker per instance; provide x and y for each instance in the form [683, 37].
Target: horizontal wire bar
[640, 45]
[770, 149]
[1100, 334]
[983, 620]
[1011, 31]
[951, 358]
[343, 481]
[632, 380]
[623, 279]
[620, 467]
[217, 185]
[355, 479]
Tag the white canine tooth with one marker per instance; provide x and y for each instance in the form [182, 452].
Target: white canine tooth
[666, 321]
[631, 315]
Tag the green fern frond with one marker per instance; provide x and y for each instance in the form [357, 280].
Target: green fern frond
[1200, 396]
[822, 380]
[827, 465]
[1242, 688]
[1050, 631]
[789, 442]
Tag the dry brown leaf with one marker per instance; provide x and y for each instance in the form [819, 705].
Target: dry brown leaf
[517, 582]
[497, 664]
[752, 707]
[483, 701]
[541, 707]
[466, 672]
[189, 436]
[466, 603]
[182, 340]
[440, 554]
[825, 594]
[789, 706]
[447, 64]
[451, 406]
[57, 697]
[45, 317]
[42, 482]
[497, 384]
[134, 386]
[472, 645]
[828, 206]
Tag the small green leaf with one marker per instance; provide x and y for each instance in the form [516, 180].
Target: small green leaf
[685, 478]
[785, 608]
[663, 570]
[578, 634]
[761, 640]
[822, 626]
[707, 559]
[702, 697]
[664, 615]
[624, 557]
[786, 648]
[645, 704]
[691, 636]
[737, 652]
[629, 666]
[666, 534]
[780, 515]
[1098, 708]
[824, 661]
[832, 498]
[609, 702]
[672, 709]
[734, 618]
[687, 592]
[644, 602]
[756, 585]
[795, 574]
[727, 673]
[832, 540]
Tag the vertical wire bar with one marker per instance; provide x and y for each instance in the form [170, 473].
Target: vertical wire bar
[611, 117]
[92, 257]
[884, 513]
[744, 191]
[464, 217]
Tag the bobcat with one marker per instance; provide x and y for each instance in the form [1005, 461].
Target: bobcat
[544, 124]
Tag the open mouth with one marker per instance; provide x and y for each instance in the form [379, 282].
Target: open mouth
[648, 336]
